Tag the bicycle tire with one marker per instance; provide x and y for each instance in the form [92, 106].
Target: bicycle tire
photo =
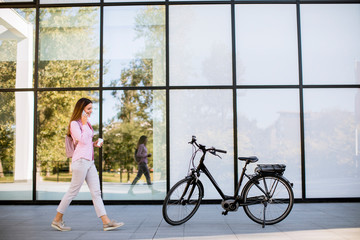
[177, 209]
[278, 206]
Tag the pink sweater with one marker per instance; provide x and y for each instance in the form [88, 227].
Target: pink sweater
[83, 135]
[142, 153]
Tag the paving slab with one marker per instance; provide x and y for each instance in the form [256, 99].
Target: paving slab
[307, 221]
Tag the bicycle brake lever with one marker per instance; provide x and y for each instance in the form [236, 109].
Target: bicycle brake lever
[213, 152]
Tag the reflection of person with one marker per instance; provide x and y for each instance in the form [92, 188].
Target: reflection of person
[83, 167]
[143, 154]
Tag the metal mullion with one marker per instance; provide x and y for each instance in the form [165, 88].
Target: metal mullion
[46, 89]
[328, 1]
[301, 101]
[135, 88]
[332, 86]
[101, 93]
[36, 84]
[167, 80]
[19, 5]
[190, 87]
[17, 89]
[63, 5]
[266, 86]
[199, 2]
[113, 4]
[233, 42]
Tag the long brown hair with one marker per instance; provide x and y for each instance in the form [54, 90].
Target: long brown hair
[79, 107]
[142, 140]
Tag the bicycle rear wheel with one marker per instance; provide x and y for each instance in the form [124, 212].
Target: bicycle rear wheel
[182, 201]
[274, 208]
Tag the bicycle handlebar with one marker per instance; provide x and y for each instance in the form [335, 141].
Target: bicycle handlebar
[212, 149]
[219, 150]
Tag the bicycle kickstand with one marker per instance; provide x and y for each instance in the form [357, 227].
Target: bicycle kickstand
[265, 205]
[225, 213]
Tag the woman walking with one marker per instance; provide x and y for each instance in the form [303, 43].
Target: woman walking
[83, 167]
[142, 154]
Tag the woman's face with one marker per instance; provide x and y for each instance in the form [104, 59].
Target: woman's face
[88, 109]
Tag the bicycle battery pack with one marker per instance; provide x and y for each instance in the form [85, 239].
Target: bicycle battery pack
[270, 169]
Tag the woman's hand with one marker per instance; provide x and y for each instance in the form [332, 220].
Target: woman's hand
[96, 144]
[84, 118]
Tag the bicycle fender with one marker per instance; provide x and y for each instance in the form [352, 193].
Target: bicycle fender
[286, 180]
[254, 179]
[198, 181]
[202, 188]
[283, 178]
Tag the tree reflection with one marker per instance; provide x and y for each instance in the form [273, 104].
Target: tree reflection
[68, 58]
[135, 108]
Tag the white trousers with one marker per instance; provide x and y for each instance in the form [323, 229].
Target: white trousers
[84, 170]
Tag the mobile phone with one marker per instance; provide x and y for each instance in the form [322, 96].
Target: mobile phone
[84, 113]
[99, 142]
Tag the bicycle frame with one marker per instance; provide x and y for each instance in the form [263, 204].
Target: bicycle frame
[204, 169]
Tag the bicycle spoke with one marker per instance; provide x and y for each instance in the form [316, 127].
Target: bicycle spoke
[182, 202]
[255, 200]
[273, 188]
[278, 202]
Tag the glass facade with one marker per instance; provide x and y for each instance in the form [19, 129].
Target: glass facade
[69, 28]
[279, 81]
[332, 142]
[269, 127]
[200, 45]
[127, 115]
[266, 45]
[53, 168]
[16, 165]
[134, 38]
[330, 44]
[199, 114]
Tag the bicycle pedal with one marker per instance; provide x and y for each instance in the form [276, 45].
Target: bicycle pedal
[224, 213]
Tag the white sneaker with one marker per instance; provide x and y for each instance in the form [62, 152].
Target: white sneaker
[112, 225]
[60, 226]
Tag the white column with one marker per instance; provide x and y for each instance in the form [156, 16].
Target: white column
[19, 29]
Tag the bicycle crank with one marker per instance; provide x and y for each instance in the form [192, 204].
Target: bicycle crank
[230, 205]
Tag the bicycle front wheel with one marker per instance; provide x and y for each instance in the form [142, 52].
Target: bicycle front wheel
[274, 206]
[182, 201]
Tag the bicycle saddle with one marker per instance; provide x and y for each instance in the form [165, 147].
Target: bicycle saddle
[251, 159]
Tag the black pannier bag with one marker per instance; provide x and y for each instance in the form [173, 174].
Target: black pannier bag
[270, 169]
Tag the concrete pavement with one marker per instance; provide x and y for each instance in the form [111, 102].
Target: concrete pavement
[330, 221]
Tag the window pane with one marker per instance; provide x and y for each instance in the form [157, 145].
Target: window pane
[332, 133]
[266, 44]
[16, 47]
[200, 45]
[53, 167]
[330, 43]
[16, 145]
[208, 115]
[127, 116]
[269, 128]
[134, 42]
[69, 47]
